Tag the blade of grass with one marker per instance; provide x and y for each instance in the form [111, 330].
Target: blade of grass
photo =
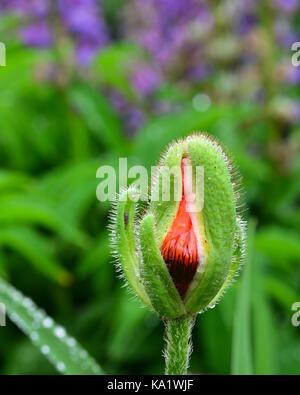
[30, 244]
[264, 343]
[242, 362]
[31, 210]
[61, 350]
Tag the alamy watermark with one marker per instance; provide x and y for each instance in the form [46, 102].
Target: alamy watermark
[2, 54]
[296, 316]
[296, 56]
[2, 314]
[169, 189]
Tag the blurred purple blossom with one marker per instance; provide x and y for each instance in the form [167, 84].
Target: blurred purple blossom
[200, 72]
[186, 41]
[36, 35]
[85, 52]
[28, 7]
[163, 27]
[287, 5]
[296, 111]
[132, 117]
[284, 33]
[293, 75]
[84, 20]
[145, 79]
[246, 23]
[81, 18]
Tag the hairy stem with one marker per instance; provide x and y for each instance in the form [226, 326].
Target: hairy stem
[178, 344]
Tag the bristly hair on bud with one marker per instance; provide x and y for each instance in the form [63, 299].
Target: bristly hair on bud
[180, 255]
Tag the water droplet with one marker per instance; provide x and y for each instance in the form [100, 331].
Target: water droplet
[71, 342]
[28, 303]
[34, 336]
[48, 322]
[83, 354]
[13, 317]
[61, 367]
[45, 349]
[60, 332]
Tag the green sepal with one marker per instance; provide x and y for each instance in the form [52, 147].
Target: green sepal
[238, 255]
[158, 283]
[124, 242]
[219, 216]
[165, 210]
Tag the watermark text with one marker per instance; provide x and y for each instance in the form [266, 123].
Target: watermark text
[2, 54]
[296, 316]
[168, 183]
[2, 314]
[296, 56]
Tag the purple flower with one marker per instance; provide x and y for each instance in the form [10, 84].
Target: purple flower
[293, 75]
[132, 117]
[181, 10]
[145, 79]
[164, 26]
[83, 18]
[28, 7]
[86, 51]
[133, 120]
[246, 23]
[296, 112]
[36, 35]
[199, 72]
[284, 34]
[286, 5]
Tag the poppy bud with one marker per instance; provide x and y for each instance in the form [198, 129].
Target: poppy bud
[185, 250]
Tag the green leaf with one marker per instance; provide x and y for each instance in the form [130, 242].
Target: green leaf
[214, 348]
[73, 188]
[13, 181]
[32, 210]
[264, 340]
[97, 255]
[280, 245]
[242, 362]
[281, 292]
[36, 250]
[126, 335]
[99, 116]
[61, 350]
[114, 64]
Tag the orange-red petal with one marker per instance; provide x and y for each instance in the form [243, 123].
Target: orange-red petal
[179, 247]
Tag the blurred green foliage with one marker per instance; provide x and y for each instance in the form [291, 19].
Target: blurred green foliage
[54, 134]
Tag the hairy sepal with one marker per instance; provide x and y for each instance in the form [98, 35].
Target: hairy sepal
[158, 283]
[238, 258]
[165, 209]
[218, 217]
[123, 239]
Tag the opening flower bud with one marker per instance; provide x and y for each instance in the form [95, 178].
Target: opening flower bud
[184, 252]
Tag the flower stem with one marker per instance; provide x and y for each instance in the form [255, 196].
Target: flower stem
[178, 344]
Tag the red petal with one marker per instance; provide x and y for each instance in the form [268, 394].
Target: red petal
[179, 247]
